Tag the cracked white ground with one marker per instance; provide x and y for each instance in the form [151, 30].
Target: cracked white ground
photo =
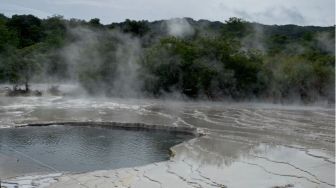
[246, 145]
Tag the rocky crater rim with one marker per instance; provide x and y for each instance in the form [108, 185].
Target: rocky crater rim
[123, 125]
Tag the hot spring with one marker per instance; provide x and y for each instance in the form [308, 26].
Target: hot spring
[62, 148]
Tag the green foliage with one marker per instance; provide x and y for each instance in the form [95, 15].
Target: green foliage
[205, 66]
[7, 37]
[289, 61]
[236, 27]
[298, 76]
[95, 22]
[54, 30]
[137, 28]
[28, 29]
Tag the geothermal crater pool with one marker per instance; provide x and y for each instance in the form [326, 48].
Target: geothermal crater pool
[62, 148]
[246, 145]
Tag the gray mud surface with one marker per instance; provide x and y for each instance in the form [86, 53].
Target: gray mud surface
[245, 144]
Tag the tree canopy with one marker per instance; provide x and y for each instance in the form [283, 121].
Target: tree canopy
[235, 59]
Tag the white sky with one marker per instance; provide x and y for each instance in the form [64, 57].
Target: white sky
[301, 12]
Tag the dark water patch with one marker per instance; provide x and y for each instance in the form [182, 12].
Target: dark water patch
[80, 148]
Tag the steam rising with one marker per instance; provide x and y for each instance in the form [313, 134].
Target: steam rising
[255, 40]
[92, 51]
[206, 60]
[179, 27]
[326, 42]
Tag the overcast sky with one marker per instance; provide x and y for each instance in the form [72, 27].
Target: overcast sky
[301, 12]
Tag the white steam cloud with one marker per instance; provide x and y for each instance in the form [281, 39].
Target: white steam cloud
[179, 27]
[112, 54]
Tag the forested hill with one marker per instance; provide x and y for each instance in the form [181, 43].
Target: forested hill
[233, 59]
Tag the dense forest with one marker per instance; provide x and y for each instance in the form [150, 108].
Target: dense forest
[229, 60]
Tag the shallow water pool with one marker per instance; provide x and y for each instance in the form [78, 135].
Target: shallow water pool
[60, 148]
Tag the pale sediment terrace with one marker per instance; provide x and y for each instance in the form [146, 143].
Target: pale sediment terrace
[245, 145]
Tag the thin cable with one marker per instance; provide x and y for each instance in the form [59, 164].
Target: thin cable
[42, 164]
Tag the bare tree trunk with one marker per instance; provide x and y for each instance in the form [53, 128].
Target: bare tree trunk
[27, 86]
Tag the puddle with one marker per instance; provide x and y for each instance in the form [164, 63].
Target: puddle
[60, 148]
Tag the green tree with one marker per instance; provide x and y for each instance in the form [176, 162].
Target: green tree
[95, 22]
[21, 66]
[8, 38]
[236, 27]
[138, 28]
[28, 29]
